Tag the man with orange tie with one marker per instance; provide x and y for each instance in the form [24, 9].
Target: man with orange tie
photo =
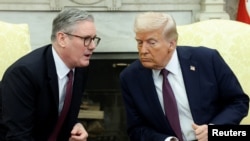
[172, 93]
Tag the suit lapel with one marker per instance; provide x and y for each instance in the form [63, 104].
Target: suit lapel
[148, 90]
[190, 72]
[79, 78]
[52, 75]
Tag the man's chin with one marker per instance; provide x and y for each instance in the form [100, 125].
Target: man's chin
[148, 65]
[151, 65]
[84, 63]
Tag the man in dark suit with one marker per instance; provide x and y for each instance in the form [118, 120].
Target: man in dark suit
[205, 88]
[33, 89]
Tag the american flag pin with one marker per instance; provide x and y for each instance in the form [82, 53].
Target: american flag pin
[192, 68]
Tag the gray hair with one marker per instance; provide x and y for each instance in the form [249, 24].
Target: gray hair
[149, 21]
[66, 20]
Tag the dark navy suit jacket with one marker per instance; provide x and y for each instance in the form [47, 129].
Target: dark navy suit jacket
[214, 94]
[32, 114]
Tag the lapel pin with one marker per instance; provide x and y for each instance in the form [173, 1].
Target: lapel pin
[192, 68]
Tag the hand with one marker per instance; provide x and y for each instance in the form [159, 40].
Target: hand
[78, 133]
[201, 132]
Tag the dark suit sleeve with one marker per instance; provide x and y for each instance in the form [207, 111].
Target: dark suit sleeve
[2, 127]
[233, 100]
[138, 128]
[18, 104]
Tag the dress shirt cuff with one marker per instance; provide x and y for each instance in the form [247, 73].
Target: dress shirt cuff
[171, 139]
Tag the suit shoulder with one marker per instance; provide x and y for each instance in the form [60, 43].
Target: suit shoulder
[133, 67]
[197, 50]
[33, 60]
[35, 55]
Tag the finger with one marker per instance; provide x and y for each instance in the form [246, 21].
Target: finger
[78, 138]
[202, 133]
[194, 126]
[77, 129]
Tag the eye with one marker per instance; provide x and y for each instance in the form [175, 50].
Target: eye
[151, 42]
[88, 39]
[139, 43]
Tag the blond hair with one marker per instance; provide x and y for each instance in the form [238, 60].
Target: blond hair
[149, 21]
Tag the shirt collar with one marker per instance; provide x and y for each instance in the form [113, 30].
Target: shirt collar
[172, 66]
[61, 68]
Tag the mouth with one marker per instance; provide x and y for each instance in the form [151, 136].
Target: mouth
[87, 55]
[145, 59]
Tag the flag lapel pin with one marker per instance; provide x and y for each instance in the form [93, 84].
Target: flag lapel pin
[192, 68]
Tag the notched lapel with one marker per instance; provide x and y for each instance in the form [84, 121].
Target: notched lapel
[53, 83]
[191, 78]
[150, 94]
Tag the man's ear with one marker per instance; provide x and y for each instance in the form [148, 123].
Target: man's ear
[61, 38]
[172, 44]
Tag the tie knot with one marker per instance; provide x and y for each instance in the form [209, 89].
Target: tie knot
[164, 72]
[70, 74]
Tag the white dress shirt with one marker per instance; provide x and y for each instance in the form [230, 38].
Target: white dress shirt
[176, 81]
[62, 71]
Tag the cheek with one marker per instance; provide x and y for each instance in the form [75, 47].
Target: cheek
[79, 49]
[160, 56]
[77, 54]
